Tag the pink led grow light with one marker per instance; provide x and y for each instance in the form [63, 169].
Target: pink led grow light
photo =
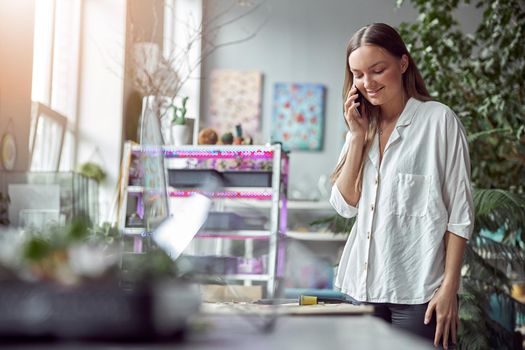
[234, 152]
[224, 194]
[219, 154]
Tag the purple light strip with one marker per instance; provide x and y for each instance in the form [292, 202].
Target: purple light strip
[207, 154]
[137, 244]
[218, 154]
[224, 194]
[281, 246]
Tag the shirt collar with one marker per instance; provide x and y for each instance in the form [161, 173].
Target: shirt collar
[405, 118]
[408, 112]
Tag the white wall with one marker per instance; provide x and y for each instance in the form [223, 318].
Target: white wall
[100, 110]
[304, 41]
[16, 65]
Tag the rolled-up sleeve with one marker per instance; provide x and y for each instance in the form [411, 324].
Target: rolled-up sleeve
[457, 188]
[341, 207]
[336, 198]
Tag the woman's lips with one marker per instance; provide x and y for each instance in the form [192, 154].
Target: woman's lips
[372, 93]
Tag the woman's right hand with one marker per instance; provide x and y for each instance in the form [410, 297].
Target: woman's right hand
[357, 123]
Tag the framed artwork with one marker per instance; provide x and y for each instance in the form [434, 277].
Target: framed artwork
[235, 98]
[298, 116]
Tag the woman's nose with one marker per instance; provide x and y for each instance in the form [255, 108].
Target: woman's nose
[368, 81]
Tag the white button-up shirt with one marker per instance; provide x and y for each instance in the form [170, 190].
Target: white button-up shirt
[395, 251]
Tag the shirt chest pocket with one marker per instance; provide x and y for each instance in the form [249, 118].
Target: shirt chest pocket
[410, 194]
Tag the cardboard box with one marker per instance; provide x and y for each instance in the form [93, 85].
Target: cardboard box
[212, 293]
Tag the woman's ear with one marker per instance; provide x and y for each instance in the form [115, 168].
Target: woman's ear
[404, 63]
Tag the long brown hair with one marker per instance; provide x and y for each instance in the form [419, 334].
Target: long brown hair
[382, 35]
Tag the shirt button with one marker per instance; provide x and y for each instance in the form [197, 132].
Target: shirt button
[368, 235]
[365, 265]
[372, 207]
[377, 181]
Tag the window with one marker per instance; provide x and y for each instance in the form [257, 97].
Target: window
[55, 78]
[182, 46]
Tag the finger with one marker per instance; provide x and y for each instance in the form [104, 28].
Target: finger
[355, 111]
[351, 109]
[348, 104]
[350, 99]
[350, 92]
[446, 331]
[454, 329]
[439, 333]
[428, 313]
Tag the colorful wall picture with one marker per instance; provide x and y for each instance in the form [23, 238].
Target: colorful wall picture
[235, 98]
[298, 116]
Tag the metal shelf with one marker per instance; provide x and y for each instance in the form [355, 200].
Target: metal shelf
[310, 205]
[237, 277]
[290, 205]
[235, 234]
[317, 236]
[133, 231]
[227, 234]
[251, 193]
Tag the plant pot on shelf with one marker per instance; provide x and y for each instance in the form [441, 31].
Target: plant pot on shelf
[180, 134]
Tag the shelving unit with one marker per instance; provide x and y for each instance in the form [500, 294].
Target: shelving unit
[313, 251]
[199, 158]
[315, 208]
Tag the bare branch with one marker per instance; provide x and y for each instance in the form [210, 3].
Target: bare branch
[157, 75]
[238, 18]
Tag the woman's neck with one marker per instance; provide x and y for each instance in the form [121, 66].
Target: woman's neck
[391, 110]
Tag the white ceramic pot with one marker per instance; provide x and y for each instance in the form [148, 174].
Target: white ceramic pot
[180, 135]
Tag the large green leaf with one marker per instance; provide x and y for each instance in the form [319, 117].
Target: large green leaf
[497, 208]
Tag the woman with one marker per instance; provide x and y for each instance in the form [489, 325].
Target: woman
[405, 172]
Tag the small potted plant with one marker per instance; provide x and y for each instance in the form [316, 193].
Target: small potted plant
[4, 205]
[180, 133]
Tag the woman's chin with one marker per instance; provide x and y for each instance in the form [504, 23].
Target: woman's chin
[374, 101]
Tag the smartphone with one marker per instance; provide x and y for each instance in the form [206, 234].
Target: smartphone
[360, 99]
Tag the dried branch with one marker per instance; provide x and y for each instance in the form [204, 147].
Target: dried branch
[157, 75]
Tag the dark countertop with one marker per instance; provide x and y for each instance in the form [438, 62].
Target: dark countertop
[289, 333]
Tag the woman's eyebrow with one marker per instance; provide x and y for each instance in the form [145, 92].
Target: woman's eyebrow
[375, 64]
[370, 67]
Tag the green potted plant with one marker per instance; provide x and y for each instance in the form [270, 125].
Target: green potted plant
[93, 171]
[180, 131]
[4, 204]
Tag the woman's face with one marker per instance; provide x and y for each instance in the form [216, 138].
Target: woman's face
[377, 73]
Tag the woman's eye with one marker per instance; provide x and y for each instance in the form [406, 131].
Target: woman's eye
[357, 76]
[379, 71]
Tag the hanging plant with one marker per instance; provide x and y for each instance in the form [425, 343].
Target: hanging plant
[92, 171]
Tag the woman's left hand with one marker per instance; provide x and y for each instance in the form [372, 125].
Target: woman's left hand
[445, 303]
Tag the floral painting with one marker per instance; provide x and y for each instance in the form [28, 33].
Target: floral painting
[235, 98]
[298, 116]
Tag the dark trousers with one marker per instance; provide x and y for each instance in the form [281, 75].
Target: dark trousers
[410, 319]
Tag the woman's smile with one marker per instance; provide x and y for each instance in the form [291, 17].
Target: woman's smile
[374, 93]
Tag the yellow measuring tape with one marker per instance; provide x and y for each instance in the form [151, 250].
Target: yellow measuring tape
[307, 300]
